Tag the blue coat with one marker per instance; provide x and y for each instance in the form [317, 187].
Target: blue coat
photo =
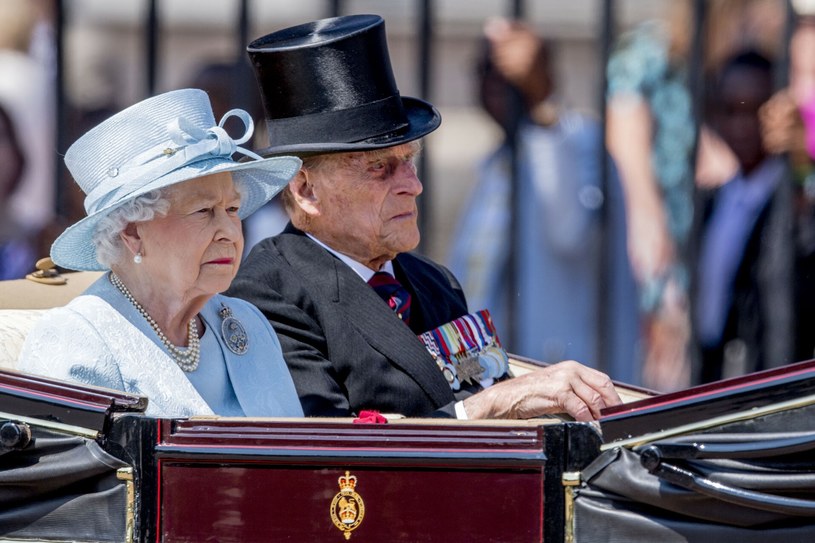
[100, 339]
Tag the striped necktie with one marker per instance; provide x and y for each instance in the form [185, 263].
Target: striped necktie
[392, 291]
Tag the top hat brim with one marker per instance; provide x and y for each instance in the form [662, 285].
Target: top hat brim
[423, 118]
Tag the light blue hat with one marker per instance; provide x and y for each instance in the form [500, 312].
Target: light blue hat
[161, 141]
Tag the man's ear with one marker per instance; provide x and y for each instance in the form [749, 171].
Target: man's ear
[132, 238]
[302, 192]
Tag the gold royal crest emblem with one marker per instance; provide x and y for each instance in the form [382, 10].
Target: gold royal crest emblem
[347, 507]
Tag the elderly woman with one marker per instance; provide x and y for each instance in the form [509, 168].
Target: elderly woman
[164, 207]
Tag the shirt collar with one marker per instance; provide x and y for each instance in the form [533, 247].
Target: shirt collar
[362, 270]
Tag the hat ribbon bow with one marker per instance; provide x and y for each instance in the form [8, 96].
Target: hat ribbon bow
[188, 144]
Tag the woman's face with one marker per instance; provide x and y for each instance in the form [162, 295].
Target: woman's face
[196, 248]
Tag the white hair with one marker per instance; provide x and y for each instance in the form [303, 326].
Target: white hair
[109, 246]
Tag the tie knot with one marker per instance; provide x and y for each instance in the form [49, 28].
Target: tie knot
[383, 278]
[395, 295]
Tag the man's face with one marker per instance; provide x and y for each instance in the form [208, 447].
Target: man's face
[366, 203]
[743, 91]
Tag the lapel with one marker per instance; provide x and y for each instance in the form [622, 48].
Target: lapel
[260, 387]
[425, 306]
[366, 312]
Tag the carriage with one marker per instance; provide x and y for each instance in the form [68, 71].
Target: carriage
[717, 462]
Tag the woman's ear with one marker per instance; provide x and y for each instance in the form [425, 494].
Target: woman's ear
[303, 194]
[131, 238]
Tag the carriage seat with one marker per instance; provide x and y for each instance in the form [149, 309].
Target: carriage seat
[24, 301]
[14, 326]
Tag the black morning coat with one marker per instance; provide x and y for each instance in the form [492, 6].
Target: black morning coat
[346, 349]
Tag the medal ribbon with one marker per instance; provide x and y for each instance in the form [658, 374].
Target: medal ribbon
[455, 344]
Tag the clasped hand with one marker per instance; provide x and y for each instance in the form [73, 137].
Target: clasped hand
[566, 387]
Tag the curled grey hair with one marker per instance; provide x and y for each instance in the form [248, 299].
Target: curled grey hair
[106, 238]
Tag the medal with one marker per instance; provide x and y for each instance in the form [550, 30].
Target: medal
[467, 350]
[494, 361]
[233, 332]
[431, 342]
[468, 369]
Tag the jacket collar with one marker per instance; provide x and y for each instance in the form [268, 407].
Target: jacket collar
[372, 318]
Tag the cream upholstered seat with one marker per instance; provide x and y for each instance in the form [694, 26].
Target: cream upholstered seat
[14, 326]
[23, 301]
[44, 288]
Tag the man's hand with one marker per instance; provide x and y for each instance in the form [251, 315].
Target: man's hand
[566, 387]
[781, 125]
[518, 54]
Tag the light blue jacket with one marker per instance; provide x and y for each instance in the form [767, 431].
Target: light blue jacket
[100, 339]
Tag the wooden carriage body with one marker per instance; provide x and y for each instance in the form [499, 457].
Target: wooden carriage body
[85, 464]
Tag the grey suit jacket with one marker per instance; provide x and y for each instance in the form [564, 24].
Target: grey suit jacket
[347, 351]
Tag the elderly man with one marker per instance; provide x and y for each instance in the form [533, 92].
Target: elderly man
[330, 98]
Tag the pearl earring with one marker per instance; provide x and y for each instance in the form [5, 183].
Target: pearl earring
[137, 258]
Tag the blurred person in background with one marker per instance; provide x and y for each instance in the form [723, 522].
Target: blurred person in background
[788, 124]
[652, 135]
[559, 215]
[26, 92]
[17, 253]
[789, 117]
[744, 317]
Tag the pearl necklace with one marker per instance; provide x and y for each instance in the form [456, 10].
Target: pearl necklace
[187, 359]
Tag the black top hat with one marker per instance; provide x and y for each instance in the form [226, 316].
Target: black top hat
[328, 86]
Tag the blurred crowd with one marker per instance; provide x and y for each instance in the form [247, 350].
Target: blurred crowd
[674, 243]
[27, 132]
